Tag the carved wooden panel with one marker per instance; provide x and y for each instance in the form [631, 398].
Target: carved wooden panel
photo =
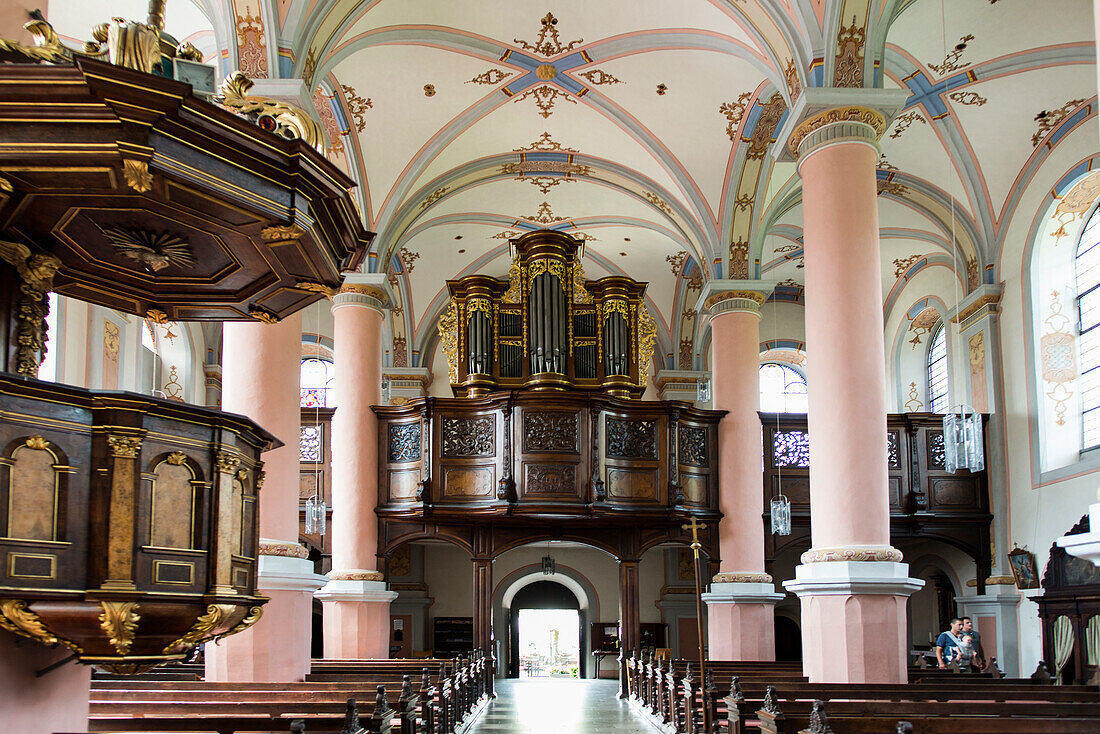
[631, 439]
[33, 495]
[468, 482]
[560, 479]
[632, 484]
[954, 492]
[694, 488]
[792, 448]
[693, 446]
[893, 488]
[404, 442]
[467, 437]
[403, 484]
[893, 450]
[550, 432]
[172, 524]
[936, 456]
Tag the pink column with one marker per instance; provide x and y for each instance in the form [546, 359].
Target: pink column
[740, 604]
[260, 379]
[852, 586]
[356, 602]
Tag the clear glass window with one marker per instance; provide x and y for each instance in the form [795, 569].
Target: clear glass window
[782, 389]
[937, 372]
[1087, 272]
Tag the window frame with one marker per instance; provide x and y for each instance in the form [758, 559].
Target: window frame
[786, 383]
[1081, 292]
[939, 331]
[327, 389]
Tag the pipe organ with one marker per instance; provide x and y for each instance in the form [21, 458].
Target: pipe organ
[546, 327]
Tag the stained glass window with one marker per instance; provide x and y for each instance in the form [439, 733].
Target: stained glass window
[782, 389]
[316, 384]
[1087, 271]
[937, 372]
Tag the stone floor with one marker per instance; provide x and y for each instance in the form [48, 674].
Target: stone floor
[559, 706]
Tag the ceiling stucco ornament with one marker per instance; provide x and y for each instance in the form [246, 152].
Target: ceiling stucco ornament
[357, 106]
[545, 97]
[546, 72]
[1048, 120]
[852, 114]
[950, 61]
[491, 77]
[849, 55]
[544, 215]
[548, 42]
[904, 121]
[735, 112]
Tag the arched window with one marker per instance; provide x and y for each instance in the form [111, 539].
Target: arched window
[317, 377]
[1087, 271]
[782, 389]
[937, 371]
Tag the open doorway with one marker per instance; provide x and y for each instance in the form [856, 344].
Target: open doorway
[545, 632]
[549, 646]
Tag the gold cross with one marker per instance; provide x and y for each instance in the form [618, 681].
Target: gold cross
[694, 528]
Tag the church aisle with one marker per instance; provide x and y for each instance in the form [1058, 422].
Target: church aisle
[545, 706]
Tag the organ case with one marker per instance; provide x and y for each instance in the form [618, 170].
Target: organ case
[546, 327]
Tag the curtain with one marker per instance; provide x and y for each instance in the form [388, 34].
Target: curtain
[1063, 643]
[1092, 640]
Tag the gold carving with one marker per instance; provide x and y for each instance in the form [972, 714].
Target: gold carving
[580, 291]
[119, 620]
[287, 550]
[130, 44]
[38, 443]
[285, 120]
[794, 86]
[47, 45]
[545, 143]
[548, 43]
[127, 668]
[742, 578]
[716, 298]
[598, 77]
[137, 175]
[647, 338]
[854, 113]
[366, 290]
[260, 477]
[855, 553]
[177, 458]
[282, 233]
[36, 271]
[253, 616]
[448, 338]
[546, 72]
[515, 277]
[201, 629]
[989, 299]
[544, 215]
[16, 617]
[261, 314]
[156, 316]
[124, 447]
[189, 52]
[154, 251]
[994, 581]
[491, 77]
[226, 462]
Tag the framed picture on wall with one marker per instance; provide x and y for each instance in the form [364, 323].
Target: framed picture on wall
[1022, 563]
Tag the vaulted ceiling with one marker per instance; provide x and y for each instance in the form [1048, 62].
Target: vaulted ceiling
[648, 128]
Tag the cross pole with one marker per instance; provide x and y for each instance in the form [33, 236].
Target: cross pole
[694, 527]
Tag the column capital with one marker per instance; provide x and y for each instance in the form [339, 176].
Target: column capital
[371, 290]
[976, 305]
[824, 115]
[725, 296]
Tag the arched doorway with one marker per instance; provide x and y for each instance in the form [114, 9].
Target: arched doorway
[526, 632]
[788, 639]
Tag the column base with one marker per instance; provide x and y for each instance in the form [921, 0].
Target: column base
[357, 616]
[741, 620]
[57, 701]
[1085, 545]
[853, 620]
[277, 648]
[996, 617]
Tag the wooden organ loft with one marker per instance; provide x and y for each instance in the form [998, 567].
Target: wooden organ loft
[547, 328]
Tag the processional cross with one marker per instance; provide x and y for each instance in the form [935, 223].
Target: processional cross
[695, 526]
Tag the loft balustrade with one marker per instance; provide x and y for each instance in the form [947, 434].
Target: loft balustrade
[926, 501]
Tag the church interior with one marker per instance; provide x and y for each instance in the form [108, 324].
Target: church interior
[711, 357]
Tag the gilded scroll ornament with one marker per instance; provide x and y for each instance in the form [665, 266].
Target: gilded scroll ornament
[580, 291]
[515, 284]
[284, 120]
[615, 306]
[282, 233]
[156, 316]
[253, 616]
[38, 443]
[127, 668]
[16, 617]
[177, 458]
[448, 338]
[479, 304]
[124, 447]
[305, 285]
[538, 267]
[126, 43]
[260, 314]
[227, 463]
[36, 271]
[119, 621]
[647, 338]
[137, 175]
[202, 628]
[47, 44]
[854, 113]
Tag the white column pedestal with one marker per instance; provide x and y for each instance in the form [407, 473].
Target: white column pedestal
[853, 620]
[357, 617]
[741, 620]
[996, 618]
